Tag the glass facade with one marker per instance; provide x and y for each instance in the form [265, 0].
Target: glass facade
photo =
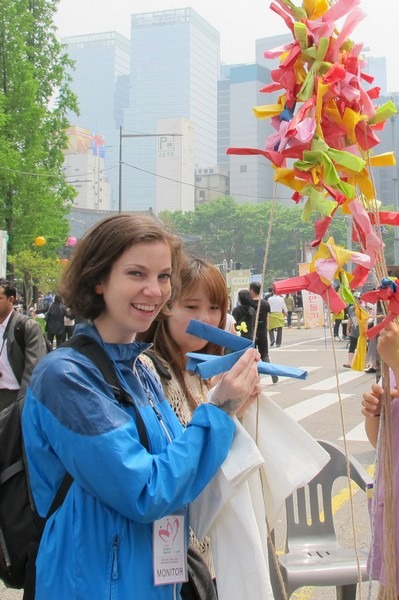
[101, 82]
[174, 73]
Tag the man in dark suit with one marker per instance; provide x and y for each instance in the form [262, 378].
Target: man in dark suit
[16, 362]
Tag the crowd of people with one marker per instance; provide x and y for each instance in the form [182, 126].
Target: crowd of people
[132, 289]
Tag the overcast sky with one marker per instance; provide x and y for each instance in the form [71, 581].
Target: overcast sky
[239, 24]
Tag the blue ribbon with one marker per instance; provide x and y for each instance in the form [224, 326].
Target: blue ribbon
[388, 283]
[209, 365]
[286, 115]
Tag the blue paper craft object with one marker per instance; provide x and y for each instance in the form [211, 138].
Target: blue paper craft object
[209, 365]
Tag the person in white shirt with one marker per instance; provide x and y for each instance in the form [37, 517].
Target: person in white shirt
[21, 347]
[230, 323]
[278, 312]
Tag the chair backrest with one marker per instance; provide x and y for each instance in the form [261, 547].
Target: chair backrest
[306, 505]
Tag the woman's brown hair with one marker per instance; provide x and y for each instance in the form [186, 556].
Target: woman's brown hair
[194, 272]
[98, 250]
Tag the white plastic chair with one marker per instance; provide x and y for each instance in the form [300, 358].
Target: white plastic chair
[313, 555]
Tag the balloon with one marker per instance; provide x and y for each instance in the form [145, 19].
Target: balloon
[71, 241]
[40, 241]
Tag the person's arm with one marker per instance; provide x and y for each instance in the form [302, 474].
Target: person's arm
[388, 349]
[349, 326]
[371, 410]
[238, 385]
[84, 431]
[233, 325]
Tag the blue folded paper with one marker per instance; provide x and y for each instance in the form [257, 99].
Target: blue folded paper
[209, 365]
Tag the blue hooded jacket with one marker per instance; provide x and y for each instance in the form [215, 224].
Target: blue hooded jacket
[98, 545]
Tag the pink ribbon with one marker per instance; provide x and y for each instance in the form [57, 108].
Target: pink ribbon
[312, 283]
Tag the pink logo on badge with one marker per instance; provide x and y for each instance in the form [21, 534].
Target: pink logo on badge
[169, 533]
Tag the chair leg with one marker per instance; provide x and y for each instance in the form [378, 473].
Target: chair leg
[346, 592]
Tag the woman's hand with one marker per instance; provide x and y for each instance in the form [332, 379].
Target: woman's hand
[371, 407]
[371, 402]
[241, 411]
[240, 385]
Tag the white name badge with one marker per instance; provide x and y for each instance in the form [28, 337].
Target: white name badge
[169, 550]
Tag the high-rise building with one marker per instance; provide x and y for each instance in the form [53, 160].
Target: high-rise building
[174, 73]
[175, 165]
[224, 115]
[84, 168]
[100, 80]
[377, 67]
[251, 177]
[269, 43]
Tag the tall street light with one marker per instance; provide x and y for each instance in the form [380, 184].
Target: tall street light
[134, 135]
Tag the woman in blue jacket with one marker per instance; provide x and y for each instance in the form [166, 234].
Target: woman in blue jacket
[121, 531]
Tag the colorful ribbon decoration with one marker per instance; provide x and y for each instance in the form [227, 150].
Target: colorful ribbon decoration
[209, 365]
[313, 283]
[325, 124]
[388, 291]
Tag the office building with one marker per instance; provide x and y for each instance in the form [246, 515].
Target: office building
[211, 183]
[174, 73]
[270, 43]
[175, 166]
[223, 127]
[84, 168]
[251, 177]
[100, 80]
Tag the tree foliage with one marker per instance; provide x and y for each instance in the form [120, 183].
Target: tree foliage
[34, 99]
[225, 230]
[35, 270]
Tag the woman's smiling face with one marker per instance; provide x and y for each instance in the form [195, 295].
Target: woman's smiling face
[135, 291]
[194, 305]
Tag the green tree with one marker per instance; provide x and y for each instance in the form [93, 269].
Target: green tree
[34, 100]
[35, 271]
[226, 230]
[238, 232]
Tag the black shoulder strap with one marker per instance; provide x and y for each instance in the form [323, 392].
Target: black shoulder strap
[94, 352]
[90, 348]
[160, 368]
[60, 495]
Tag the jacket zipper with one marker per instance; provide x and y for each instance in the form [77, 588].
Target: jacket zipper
[115, 547]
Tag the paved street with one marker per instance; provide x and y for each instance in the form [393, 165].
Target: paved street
[314, 403]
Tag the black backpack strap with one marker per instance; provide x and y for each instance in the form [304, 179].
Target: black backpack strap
[60, 495]
[160, 368]
[96, 353]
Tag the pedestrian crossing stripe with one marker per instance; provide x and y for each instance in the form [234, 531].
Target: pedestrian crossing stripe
[304, 409]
